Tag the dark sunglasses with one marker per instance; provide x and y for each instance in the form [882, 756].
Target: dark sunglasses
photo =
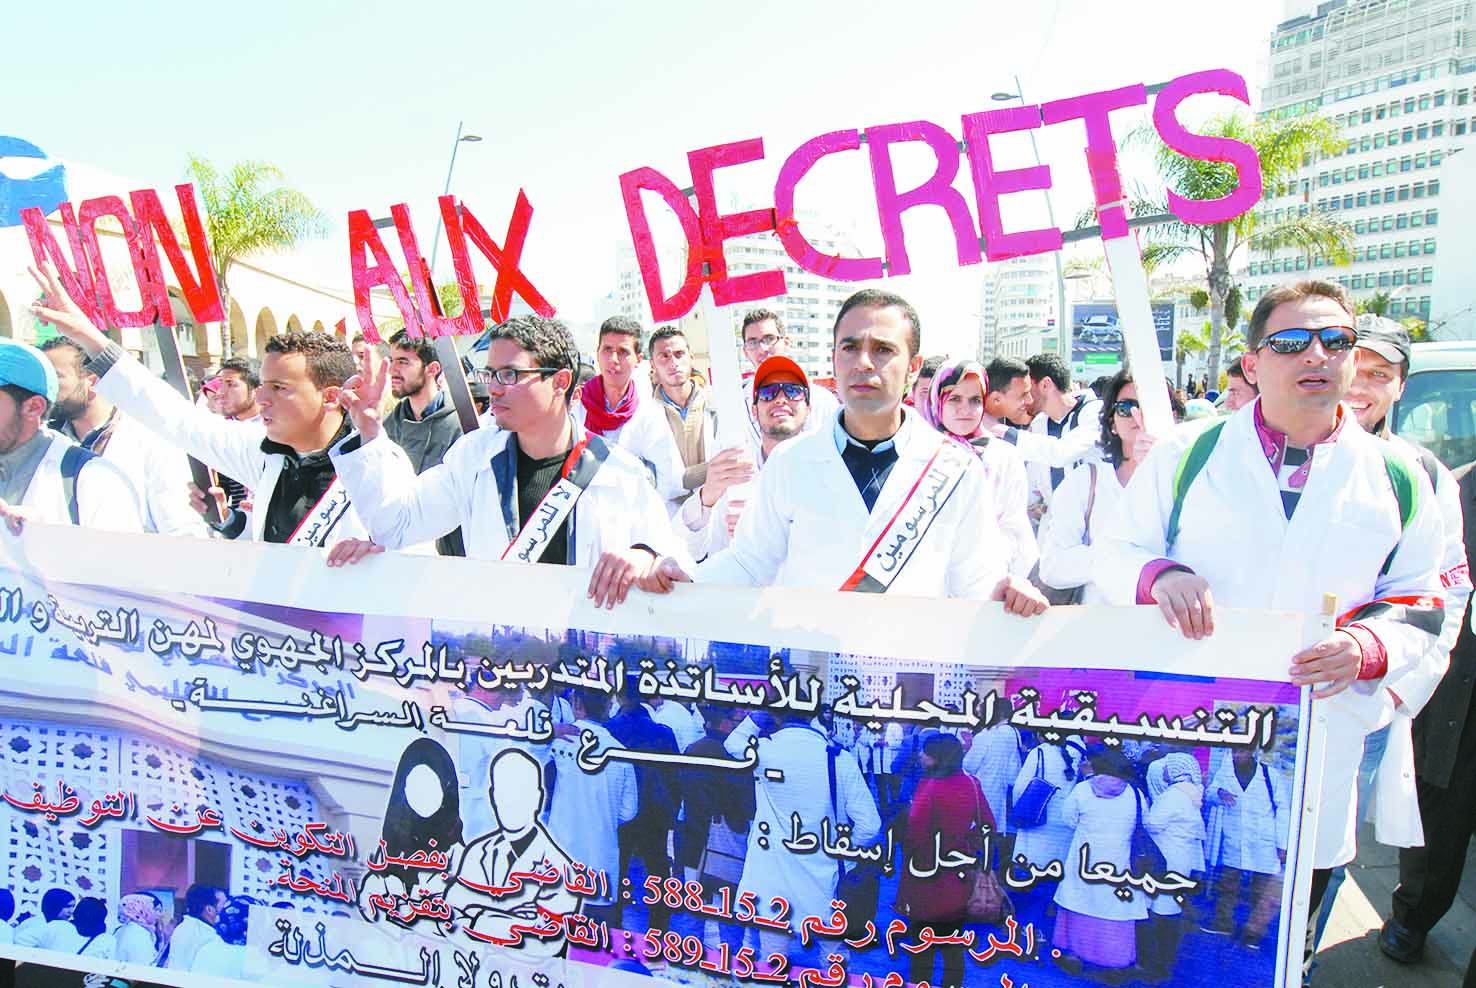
[1124, 408]
[1334, 339]
[790, 390]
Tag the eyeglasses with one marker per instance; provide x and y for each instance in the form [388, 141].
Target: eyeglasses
[1334, 339]
[508, 376]
[1124, 408]
[762, 342]
[790, 390]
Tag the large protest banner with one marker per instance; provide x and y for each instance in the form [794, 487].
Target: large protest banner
[405, 777]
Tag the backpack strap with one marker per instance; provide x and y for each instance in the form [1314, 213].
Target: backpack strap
[1091, 503]
[1402, 479]
[1190, 464]
[1270, 792]
[71, 466]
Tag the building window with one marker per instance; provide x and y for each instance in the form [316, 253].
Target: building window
[1427, 275]
[1431, 215]
[1399, 250]
[1362, 199]
[1403, 193]
[1402, 222]
[1385, 252]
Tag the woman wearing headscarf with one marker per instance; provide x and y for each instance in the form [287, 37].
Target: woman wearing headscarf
[137, 936]
[955, 407]
[1096, 921]
[1086, 500]
[947, 820]
[1176, 787]
[226, 956]
[85, 935]
[423, 814]
[56, 907]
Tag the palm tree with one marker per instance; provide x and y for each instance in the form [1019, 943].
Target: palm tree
[1186, 345]
[1376, 304]
[1283, 146]
[249, 211]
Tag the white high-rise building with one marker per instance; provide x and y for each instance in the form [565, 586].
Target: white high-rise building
[1019, 308]
[1397, 75]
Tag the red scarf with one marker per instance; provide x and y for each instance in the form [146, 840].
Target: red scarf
[599, 419]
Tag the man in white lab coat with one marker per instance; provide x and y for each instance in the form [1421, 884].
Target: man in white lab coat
[541, 489]
[875, 500]
[617, 405]
[1284, 502]
[1065, 428]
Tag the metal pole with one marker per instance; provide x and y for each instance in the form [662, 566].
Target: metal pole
[450, 169]
[1063, 329]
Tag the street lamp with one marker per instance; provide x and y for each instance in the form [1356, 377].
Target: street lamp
[450, 170]
[1063, 331]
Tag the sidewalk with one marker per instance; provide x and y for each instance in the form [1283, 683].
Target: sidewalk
[1350, 955]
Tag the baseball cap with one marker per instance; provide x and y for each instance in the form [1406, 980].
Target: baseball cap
[26, 367]
[1384, 337]
[774, 365]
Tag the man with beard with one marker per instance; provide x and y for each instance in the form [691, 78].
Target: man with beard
[159, 472]
[686, 402]
[45, 477]
[423, 423]
[781, 405]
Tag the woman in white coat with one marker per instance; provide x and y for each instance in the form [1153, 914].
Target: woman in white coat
[1096, 922]
[1249, 845]
[1058, 765]
[1084, 504]
[1175, 785]
[137, 936]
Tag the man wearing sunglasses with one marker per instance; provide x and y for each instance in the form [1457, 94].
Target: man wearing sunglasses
[840, 508]
[1280, 504]
[780, 400]
[540, 489]
[764, 336]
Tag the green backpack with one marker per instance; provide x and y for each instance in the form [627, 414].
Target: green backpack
[1193, 459]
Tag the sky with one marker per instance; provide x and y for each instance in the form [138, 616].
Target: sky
[359, 104]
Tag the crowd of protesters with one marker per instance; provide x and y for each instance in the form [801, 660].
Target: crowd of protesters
[1057, 494]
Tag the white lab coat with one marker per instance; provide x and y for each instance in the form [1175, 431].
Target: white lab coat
[676, 717]
[161, 475]
[135, 944]
[620, 508]
[806, 525]
[798, 753]
[1011, 487]
[63, 938]
[1175, 823]
[106, 498]
[1052, 839]
[706, 529]
[587, 809]
[220, 959]
[1249, 834]
[994, 759]
[1234, 533]
[1066, 559]
[647, 437]
[1106, 824]
[1396, 805]
[1043, 452]
[232, 448]
[189, 936]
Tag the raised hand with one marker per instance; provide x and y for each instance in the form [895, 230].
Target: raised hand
[56, 307]
[360, 397]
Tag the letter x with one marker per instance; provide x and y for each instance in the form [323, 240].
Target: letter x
[505, 260]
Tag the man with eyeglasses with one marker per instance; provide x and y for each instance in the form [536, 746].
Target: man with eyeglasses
[764, 336]
[874, 501]
[1280, 504]
[780, 397]
[540, 489]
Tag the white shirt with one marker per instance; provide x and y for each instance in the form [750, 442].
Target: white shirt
[587, 809]
[1067, 556]
[160, 473]
[188, 937]
[618, 510]
[106, 499]
[1011, 487]
[1104, 824]
[807, 526]
[1078, 441]
[135, 944]
[646, 435]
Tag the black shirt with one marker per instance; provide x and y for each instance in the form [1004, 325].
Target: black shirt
[536, 477]
[304, 479]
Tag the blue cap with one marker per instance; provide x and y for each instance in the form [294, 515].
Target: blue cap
[26, 367]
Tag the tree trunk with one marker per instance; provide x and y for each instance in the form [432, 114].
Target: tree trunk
[1219, 288]
[225, 325]
[1179, 369]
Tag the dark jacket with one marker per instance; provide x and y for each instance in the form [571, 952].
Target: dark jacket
[1438, 728]
[708, 794]
[635, 729]
[426, 441]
